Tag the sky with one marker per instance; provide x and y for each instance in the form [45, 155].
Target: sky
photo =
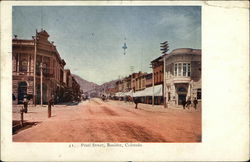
[90, 38]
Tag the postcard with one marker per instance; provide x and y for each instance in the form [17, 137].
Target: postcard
[127, 81]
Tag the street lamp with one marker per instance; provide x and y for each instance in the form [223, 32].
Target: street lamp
[34, 81]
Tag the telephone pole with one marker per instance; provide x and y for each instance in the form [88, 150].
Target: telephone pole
[153, 84]
[164, 48]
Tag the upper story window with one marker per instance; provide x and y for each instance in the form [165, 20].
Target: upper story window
[23, 67]
[175, 70]
[182, 69]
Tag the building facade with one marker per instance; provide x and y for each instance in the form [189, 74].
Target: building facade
[140, 81]
[158, 76]
[37, 64]
[183, 75]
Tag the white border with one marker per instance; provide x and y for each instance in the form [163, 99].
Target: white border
[225, 114]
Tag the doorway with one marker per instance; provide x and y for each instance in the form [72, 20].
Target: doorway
[181, 98]
[182, 93]
[22, 91]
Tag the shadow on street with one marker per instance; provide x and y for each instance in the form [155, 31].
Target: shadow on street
[16, 126]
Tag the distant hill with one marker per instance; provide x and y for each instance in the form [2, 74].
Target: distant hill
[110, 84]
[84, 84]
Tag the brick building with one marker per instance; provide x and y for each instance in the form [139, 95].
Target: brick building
[140, 81]
[183, 75]
[126, 84]
[158, 77]
[149, 80]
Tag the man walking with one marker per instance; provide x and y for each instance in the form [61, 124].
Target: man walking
[188, 102]
[195, 102]
[25, 104]
[184, 104]
[52, 100]
[136, 101]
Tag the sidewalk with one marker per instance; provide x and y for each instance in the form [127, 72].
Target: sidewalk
[38, 113]
[153, 108]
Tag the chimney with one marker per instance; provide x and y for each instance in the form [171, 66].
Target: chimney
[15, 36]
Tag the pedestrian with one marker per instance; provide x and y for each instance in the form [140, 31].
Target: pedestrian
[195, 102]
[103, 97]
[136, 101]
[49, 106]
[13, 97]
[52, 100]
[188, 103]
[25, 104]
[183, 103]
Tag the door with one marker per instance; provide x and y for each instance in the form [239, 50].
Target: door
[182, 94]
[181, 97]
[22, 91]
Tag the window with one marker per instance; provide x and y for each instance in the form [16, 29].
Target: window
[175, 69]
[160, 76]
[23, 62]
[23, 66]
[182, 69]
[189, 70]
[179, 69]
[14, 62]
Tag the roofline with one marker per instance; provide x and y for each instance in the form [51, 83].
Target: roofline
[185, 53]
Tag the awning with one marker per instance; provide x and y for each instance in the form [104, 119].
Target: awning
[130, 93]
[157, 91]
[123, 94]
[119, 94]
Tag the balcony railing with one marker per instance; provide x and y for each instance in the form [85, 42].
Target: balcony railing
[181, 79]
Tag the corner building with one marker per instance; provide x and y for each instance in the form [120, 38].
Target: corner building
[27, 55]
[183, 75]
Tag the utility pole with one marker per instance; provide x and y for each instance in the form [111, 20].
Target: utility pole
[164, 83]
[153, 82]
[41, 82]
[34, 82]
[164, 48]
[131, 79]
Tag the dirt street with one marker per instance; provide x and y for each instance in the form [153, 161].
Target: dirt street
[111, 121]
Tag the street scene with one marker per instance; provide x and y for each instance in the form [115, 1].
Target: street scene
[106, 74]
[110, 121]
